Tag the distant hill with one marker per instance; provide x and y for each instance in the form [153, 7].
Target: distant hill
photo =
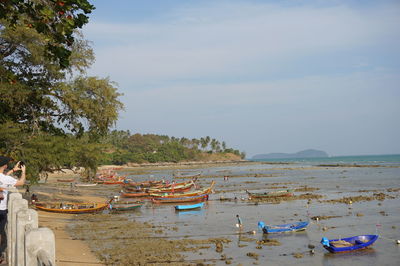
[301, 154]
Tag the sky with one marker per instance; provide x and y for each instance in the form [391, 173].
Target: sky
[263, 76]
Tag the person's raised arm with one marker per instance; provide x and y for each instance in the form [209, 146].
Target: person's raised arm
[21, 180]
[16, 168]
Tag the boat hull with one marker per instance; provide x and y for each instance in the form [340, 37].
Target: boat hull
[272, 194]
[285, 228]
[125, 206]
[86, 185]
[72, 208]
[185, 194]
[66, 180]
[350, 243]
[199, 198]
[189, 207]
[135, 194]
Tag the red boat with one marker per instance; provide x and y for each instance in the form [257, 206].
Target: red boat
[66, 180]
[184, 194]
[198, 198]
[185, 186]
[112, 182]
[145, 184]
[135, 194]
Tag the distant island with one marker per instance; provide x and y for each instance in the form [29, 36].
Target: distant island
[310, 153]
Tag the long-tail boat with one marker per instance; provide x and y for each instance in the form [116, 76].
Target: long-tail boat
[270, 194]
[71, 207]
[198, 198]
[185, 186]
[181, 187]
[86, 184]
[145, 184]
[113, 182]
[189, 207]
[184, 194]
[125, 205]
[283, 228]
[70, 180]
[348, 243]
[134, 194]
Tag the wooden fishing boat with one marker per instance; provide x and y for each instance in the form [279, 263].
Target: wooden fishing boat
[283, 228]
[198, 198]
[145, 184]
[113, 182]
[125, 205]
[135, 189]
[270, 194]
[186, 186]
[185, 194]
[349, 243]
[86, 184]
[73, 208]
[71, 180]
[189, 207]
[134, 194]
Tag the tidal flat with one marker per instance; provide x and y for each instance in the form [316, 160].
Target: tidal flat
[339, 201]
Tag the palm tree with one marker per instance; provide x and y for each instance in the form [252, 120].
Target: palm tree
[217, 146]
[213, 145]
[223, 146]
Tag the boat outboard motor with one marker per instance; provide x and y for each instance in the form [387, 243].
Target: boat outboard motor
[261, 224]
[325, 241]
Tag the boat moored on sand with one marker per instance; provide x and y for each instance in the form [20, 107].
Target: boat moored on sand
[348, 243]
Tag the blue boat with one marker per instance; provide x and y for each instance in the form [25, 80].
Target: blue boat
[348, 243]
[189, 207]
[283, 228]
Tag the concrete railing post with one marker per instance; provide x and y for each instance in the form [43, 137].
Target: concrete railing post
[40, 246]
[17, 205]
[10, 222]
[26, 220]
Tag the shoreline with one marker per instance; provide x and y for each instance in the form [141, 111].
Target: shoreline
[175, 165]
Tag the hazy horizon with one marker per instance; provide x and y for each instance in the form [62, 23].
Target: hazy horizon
[330, 155]
[263, 76]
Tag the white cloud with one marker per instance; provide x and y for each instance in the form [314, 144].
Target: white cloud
[225, 40]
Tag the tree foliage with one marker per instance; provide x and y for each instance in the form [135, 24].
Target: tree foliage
[54, 116]
[51, 116]
[55, 20]
[138, 148]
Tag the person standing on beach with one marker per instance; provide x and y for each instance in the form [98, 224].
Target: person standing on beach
[239, 224]
[7, 181]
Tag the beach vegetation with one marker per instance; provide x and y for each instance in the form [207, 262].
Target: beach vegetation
[52, 113]
[137, 148]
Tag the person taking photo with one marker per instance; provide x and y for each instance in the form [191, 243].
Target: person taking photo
[7, 181]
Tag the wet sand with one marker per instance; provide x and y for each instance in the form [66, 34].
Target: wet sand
[339, 201]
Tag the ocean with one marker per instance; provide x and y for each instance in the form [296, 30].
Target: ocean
[386, 159]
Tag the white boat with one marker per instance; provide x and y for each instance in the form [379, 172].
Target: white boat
[85, 184]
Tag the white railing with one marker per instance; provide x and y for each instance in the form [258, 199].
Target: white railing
[27, 244]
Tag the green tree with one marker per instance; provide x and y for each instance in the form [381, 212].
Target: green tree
[213, 145]
[203, 143]
[44, 103]
[55, 20]
[223, 146]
